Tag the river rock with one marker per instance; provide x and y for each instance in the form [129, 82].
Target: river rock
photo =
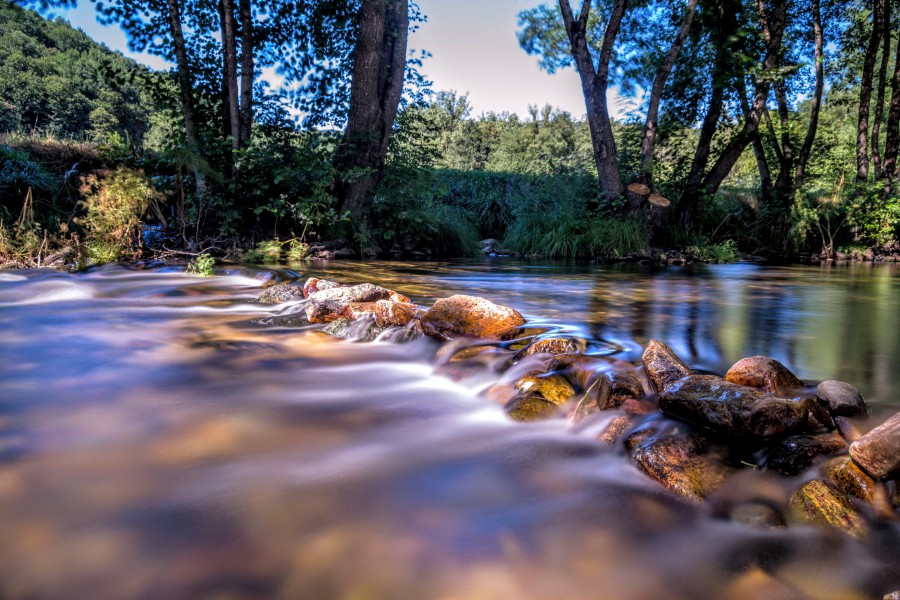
[389, 312]
[616, 428]
[663, 366]
[763, 373]
[282, 292]
[314, 285]
[530, 408]
[680, 459]
[580, 369]
[758, 514]
[878, 452]
[793, 455]
[727, 408]
[327, 305]
[552, 387]
[849, 478]
[824, 504]
[555, 345]
[843, 399]
[817, 416]
[470, 316]
[847, 429]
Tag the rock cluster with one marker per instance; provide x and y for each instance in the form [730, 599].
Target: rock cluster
[692, 433]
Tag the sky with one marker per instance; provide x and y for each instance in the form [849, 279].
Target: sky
[474, 50]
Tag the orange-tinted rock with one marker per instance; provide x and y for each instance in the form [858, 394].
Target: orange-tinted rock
[552, 387]
[388, 312]
[327, 305]
[850, 479]
[878, 452]
[530, 408]
[684, 461]
[555, 345]
[580, 369]
[616, 428]
[395, 297]
[793, 455]
[824, 504]
[314, 285]
[731, 409]
[663, 366]
[763, 373]
[470, 316]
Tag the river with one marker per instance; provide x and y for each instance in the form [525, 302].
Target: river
[157, 442]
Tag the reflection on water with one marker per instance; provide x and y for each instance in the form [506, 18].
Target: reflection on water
[154, 443]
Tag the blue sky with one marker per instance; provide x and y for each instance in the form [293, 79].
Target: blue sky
[474, 49]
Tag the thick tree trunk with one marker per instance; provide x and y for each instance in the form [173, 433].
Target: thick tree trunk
[882, 84]
[892, 139]
[379, 63]
[806, 148]
[247, 67]
[186, 88]
[648, 142]
[865, 95]
[594, 83]
[732, 152]
[229, 53]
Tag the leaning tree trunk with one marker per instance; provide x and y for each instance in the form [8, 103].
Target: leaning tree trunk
[648, 142]
[247, 67]
[882, 83]
[865, 95]
[806, 148]
[594, 83]
[892, 139]
[379, 62]
[186, 88]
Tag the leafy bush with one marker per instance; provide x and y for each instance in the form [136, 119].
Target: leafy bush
[202, 265]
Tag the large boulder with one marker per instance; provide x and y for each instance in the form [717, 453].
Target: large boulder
[878, 452]
[470, 316]
[732, 410]
[663, 366]
[399, 314]
[763, 373]
[330, 304]
[843, 399]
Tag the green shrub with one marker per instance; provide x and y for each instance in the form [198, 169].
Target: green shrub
[201, 265]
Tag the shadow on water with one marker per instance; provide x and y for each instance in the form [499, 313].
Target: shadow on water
[154, 443]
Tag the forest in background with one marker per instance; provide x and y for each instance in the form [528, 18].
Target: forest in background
[769, 127]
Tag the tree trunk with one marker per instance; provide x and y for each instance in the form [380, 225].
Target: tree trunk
[594, 83]
[882, 83]
[659, 84]
[806, 148]
[892, 139]
[186, 88]
[379, 63]
[865, 95]
[247, 67]
[784, 184]
[229, 52]
[774, 31]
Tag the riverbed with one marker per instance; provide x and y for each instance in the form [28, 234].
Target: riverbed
[157, 441]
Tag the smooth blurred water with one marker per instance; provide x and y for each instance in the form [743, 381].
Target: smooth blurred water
[155, 443]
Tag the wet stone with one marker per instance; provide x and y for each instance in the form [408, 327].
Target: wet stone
[555, 345]
[470, 316]
[663, 366]
[850, 479]
[683, 461]
[763, 373]
[823, 504]
[552, 387]
[818, 418]
[847, 429]
[314, 285]
[616, 428]
[388, 312]
[578, 368]
[327, 305]
[757, 514]
[843, 399]
[878, 452]
[530, 408]
[727, 408]
[793, 455]
[277, 294]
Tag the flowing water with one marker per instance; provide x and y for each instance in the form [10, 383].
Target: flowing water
[157, 442]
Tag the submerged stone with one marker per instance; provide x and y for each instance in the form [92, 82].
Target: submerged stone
[682, 460]
[616, 428]
[663, 366]
[757, 514]
[821, 503]
[878, 452]
[282, 292]
[843, 399]
[530, 408]
[470, 316]
[793, 455]
[727, 408]
[551, 387]
[763, 373]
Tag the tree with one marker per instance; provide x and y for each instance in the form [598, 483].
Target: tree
[379, 63]
[865, 92]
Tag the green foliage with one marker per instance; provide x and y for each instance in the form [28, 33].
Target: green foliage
[114, 203]
[725, 252]
[275, 251]
[201, 265]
